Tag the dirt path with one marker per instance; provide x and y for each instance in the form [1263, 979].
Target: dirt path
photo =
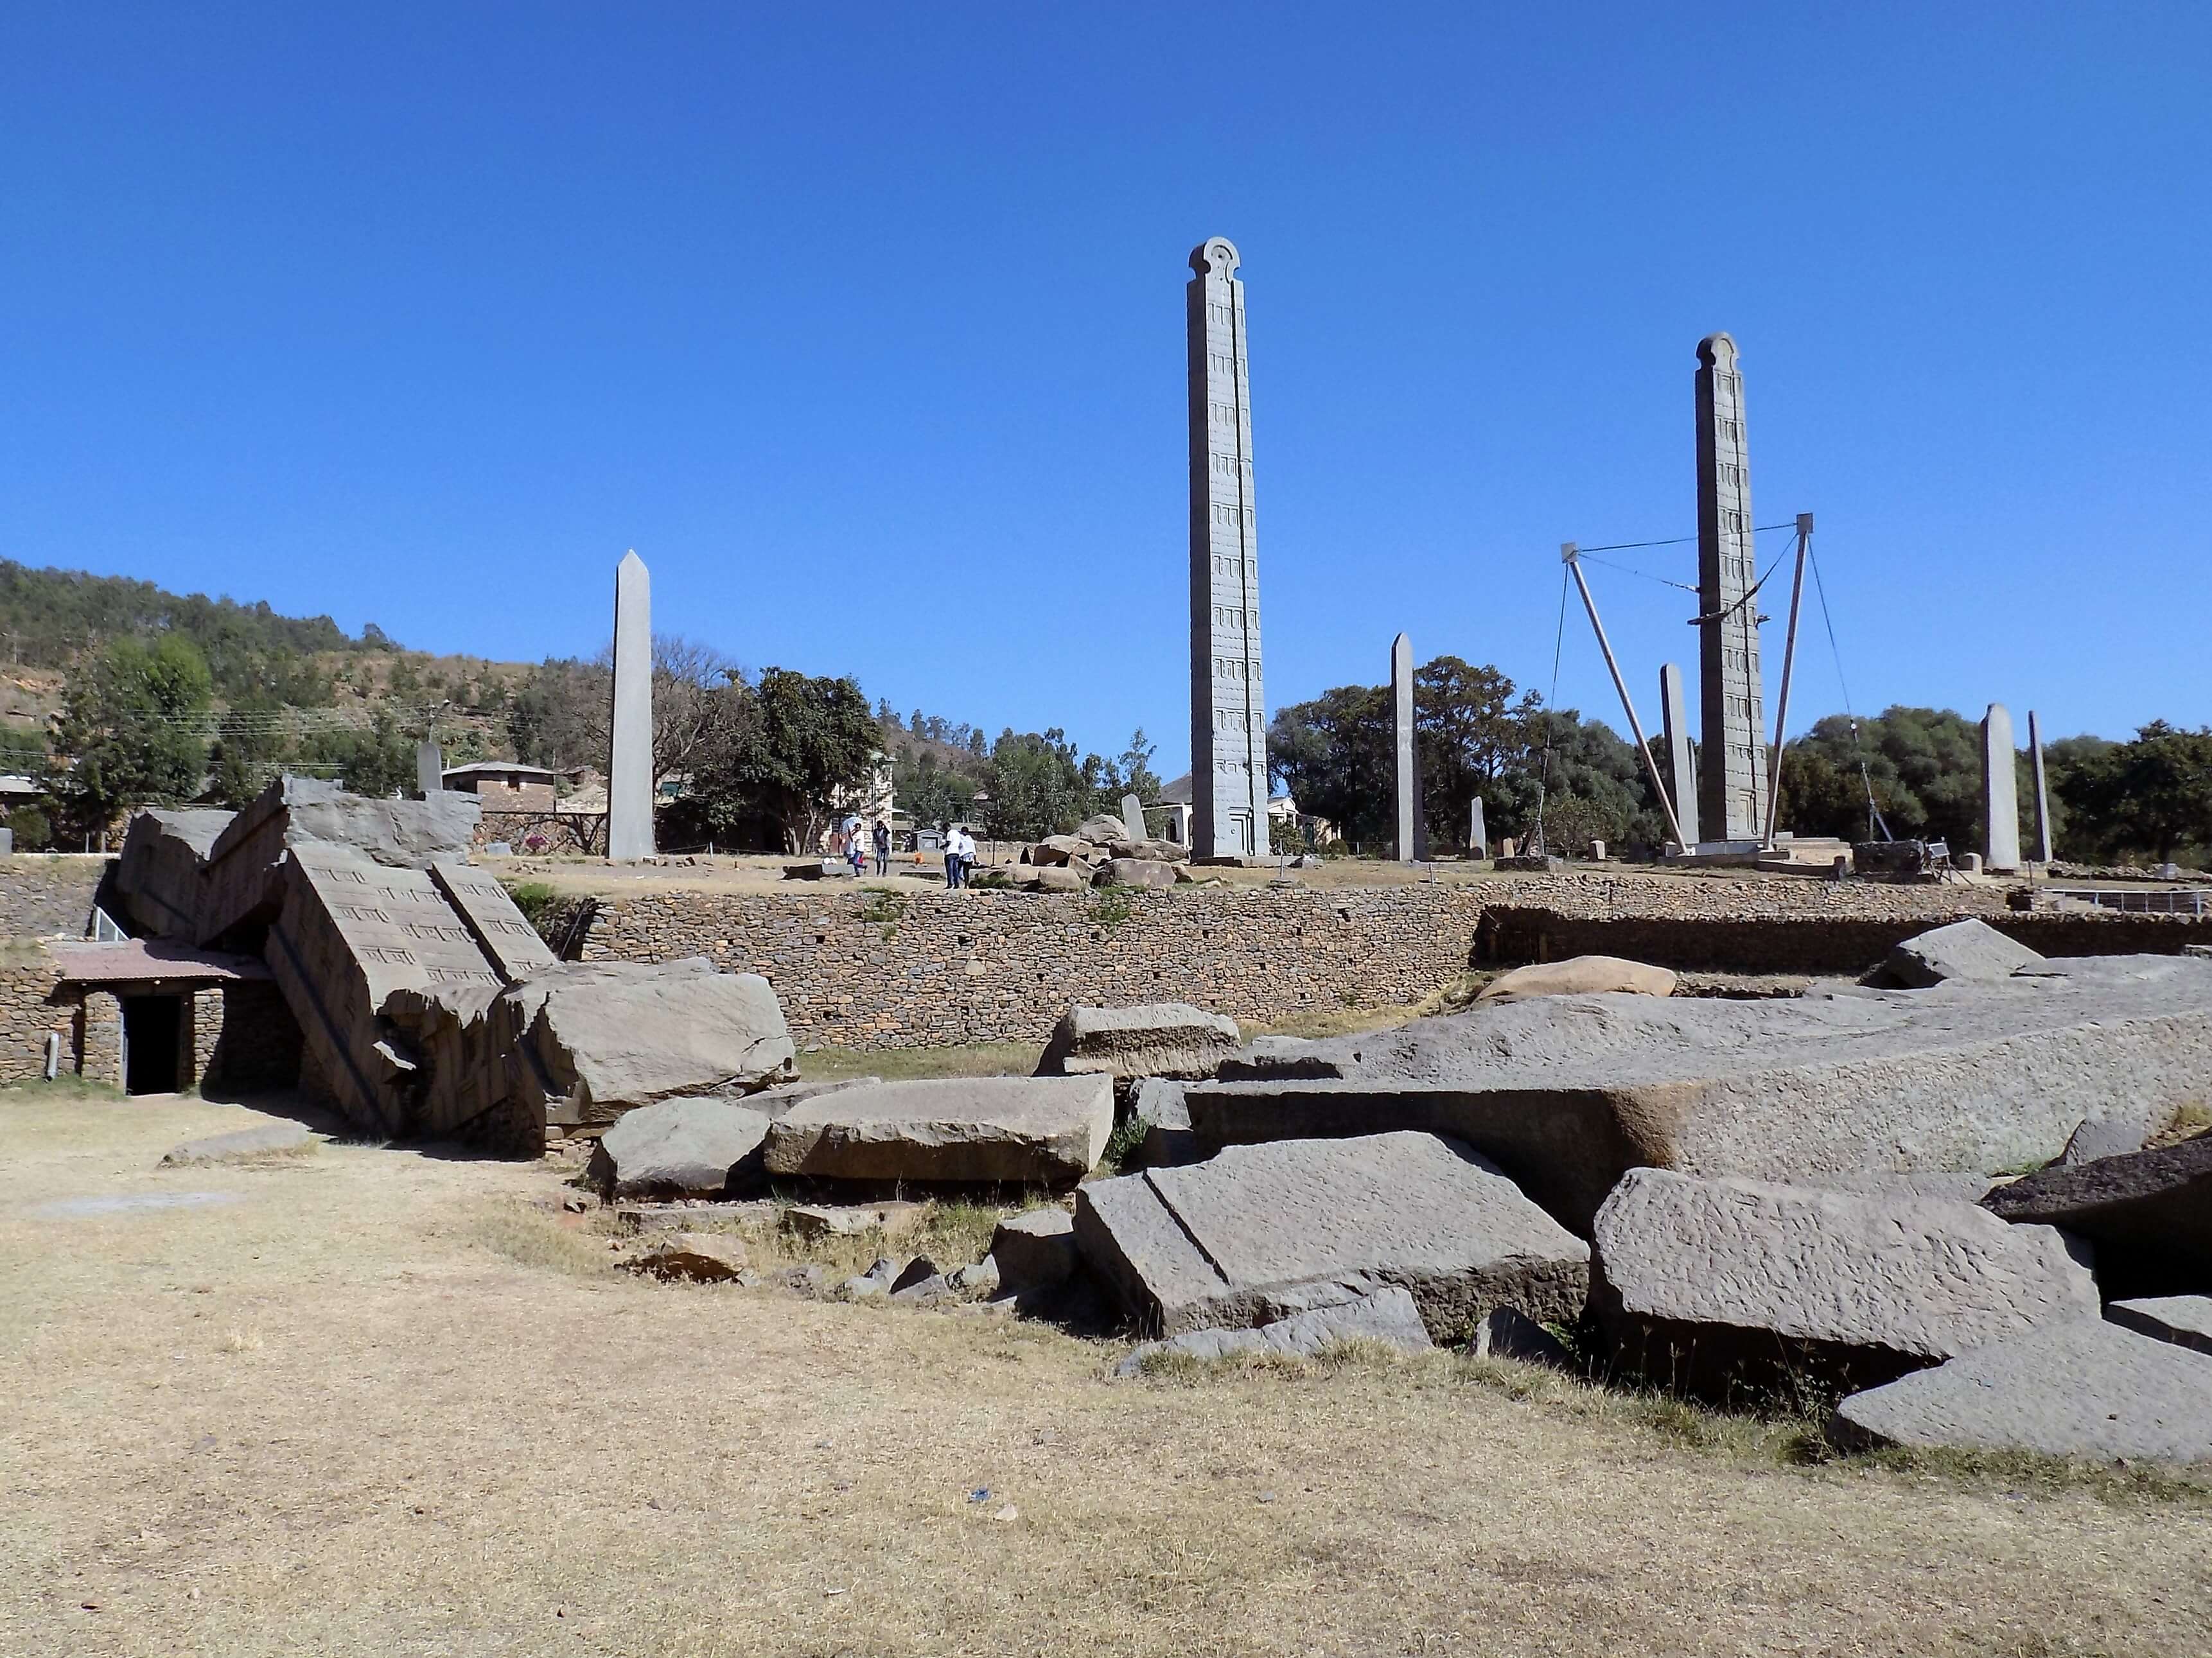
[366, 1402]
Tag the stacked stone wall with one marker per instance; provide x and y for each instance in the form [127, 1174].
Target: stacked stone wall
[48, 896]
[866, 968]
[27, 1012]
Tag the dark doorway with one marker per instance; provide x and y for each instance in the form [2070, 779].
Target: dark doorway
[153, 1029]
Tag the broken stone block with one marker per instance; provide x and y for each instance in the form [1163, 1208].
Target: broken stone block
[267, 1139]
[2112, 1133]
[2149, 1214]
[1159, 1104]
[871, 1283]
[1159, 1039]
[971, 1130]
[1967, 949]
[1102, 830]
[1035, 1250]
[1504, 1333]
[2185, 1321]
[1151, 851]
[1135, 873]
[1579, 975]
[1388, 1315]
[979, 1279]
[1569, 1094]
[686, 1147]
[702, 1257]
[601, 1038]
[1061, 880]
[1058, 849]
[1258, 1232]
[2083, 1388]
[158, 876]
[814, 1222]
[1713, 1284]
[688, 1216]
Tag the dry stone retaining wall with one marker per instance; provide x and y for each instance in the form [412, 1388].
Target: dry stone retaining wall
[27, 977]
[985, 966]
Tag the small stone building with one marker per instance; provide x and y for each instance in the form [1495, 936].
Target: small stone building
[152, 1017]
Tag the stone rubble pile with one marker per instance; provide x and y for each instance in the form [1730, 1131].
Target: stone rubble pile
[1101, 853]
[1742, 1201]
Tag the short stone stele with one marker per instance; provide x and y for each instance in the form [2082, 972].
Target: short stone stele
[1035, 1130]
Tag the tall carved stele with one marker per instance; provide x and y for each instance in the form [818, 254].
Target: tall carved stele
[1732, 765]
[1228, 700]
[629, 765]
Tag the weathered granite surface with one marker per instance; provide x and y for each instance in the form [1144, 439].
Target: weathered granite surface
[1970, 949]
[1159, 1039]
[1713, 1283]
[678, 1148]
[1569, 1093]
[1263, 1231]
[2087, 1388]
[991, 1130]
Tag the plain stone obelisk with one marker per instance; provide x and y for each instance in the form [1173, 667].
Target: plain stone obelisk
[2000, 792]
[2044, 854]
[429, 770]
[1228, 703]
[1681, 766]
[630, 768]
[1478, 832]
[1412, 844]
[1732, 784]
[1133, 818]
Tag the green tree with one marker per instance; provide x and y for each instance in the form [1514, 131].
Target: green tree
[377, 762]
[1332, 754]
[1472, 735]
[135, 722]
[1037, 787]
[2164, 800]
[784, 749]
[930, 792]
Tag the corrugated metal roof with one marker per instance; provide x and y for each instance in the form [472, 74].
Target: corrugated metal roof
[145, 961]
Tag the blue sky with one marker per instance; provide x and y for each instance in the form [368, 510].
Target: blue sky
[863, 325]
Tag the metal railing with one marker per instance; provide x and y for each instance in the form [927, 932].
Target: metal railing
[2157, 902]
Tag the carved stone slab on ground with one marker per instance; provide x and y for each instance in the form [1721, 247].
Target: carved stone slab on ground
[678, 1148]
[2149, 1214]
[1570, 1092]
[1388, 1315]
[1035, 1130]
[1263, 1231]
[1159, 1039]
[1712, 1283]
[2087, 1388]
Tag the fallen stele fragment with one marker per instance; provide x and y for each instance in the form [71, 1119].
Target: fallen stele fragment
[2084, 1388]
[1264, 1232]
[1714, 1285]
[1043, 1131]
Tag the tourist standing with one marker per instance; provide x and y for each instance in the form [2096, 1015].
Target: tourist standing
[951, 854]
[883, 838]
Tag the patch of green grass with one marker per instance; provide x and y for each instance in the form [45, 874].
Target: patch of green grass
[1122, 1149]
[67, 1087]
[882, 907]
[544, 906]
[904, 1064]
[1110, 907]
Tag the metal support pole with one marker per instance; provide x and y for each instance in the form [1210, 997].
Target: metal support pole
[1789, 661]
[1567, 551]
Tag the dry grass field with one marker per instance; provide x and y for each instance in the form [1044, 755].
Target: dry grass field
[371, 1401]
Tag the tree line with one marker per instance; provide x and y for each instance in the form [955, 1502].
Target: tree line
[1905, 773]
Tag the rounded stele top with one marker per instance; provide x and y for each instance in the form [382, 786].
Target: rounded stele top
[1718, 350]
[1215, 256]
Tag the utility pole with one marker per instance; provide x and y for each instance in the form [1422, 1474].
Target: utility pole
[1789, 661]
[1568, 555]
